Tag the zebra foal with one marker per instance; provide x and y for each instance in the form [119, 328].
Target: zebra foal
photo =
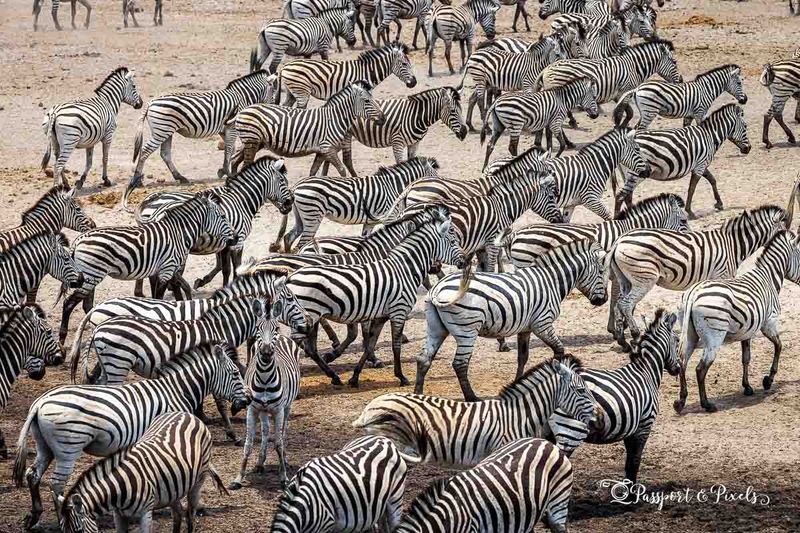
[460, 23]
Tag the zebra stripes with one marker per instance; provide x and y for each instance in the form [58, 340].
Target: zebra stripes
[37, 9]
[170, 461]
[450, 24]
[388, 11]
[637, 18]
[352, 490]
[84, 123]
[782, 78]
[509, 491]
[302, 9]
[594, 8]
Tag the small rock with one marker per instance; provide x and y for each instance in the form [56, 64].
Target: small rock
[41, 104]
[169, 74]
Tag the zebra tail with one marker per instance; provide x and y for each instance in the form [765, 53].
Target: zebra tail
[490, 115]
[623, 107]
[137, 143]
[21, 460]
[463, 286]
[49, 125]
[276, 246]
[463, 78]
[76, 346]
[768, 76]
[217, 480]
[254, 57]
[538, 83]
[687, 325]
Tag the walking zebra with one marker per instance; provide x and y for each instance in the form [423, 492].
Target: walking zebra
[37, 8]
[450, 24]
[511, 490]
[362, 200]
[303, 9]
[157, 250]
[26, 341]
[303, 37]
[628, 396]
[457, 433]
[533, 112]
[388, 11]
[730, 310]
[368, 9]
[352, 490]
[195, 116]
[672, 154]
[130, 7]
[782, 78]
[171, 461]
[298, 132]
[273, 382]
[690, 100]
[519, 303]
[304, 78]
[642, 259]
[84, 123]
[102, 420]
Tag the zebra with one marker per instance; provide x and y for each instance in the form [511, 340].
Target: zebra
[368, 9]
[273, 380]
[782, 78]
[351, 490]
[636, 19]
[196, 115]
[533, 112]
[302, 9]
[643, 258]
[388, 11]
[26, 341]
[84, 123]
[170, 461]
[37, 9]
[519, 10]
[628, 396]
[690, 151]
[130, 7]
[596, 8]
[425, 425]
[298, 132]
[361, 200]
[241, 197]
[717, 312]
[304, 78]
[511, 490]
[519, 303]
[450, 24]
[303, 37]
[690, 100]
[157, 250]
[102, 420]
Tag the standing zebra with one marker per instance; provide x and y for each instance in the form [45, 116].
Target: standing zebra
[304, 78]
[450, 24]
[457, 433]
[101, 420]
[303, 9]
[352, 490]
[730, 310]
[388, 11]
[595, 8]
[303, 37]
[298, 132]
[638, 19]
[362, 200]
[782, 78]
[511, 490]
[170, 461]
[674, 153]
[37, 8]
[644, 258]
[84, 123]
[690, 100]
[195, 116]
[628, 396]
[519, 303]
[26, 341]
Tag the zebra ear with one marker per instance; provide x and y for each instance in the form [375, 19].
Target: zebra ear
[28, 313]
[69, 193]
[219, 351]
[279, 165]
[646, 322]
[277, 309]
[258, 308]
[670, 319]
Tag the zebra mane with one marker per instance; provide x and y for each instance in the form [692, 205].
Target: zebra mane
[375, 53]
[241, 175]
[487, 44]
[52, 192]
[420, 507]
[422, 94]
[636, 352]
[783, 234]
[118, 70]
[15, 312]
[608, 26]
[647, 202]
[419, 160]
[6, 248]
[592, 146]
[569, 249]
[380, 230]
[654, 42]
[716, 69]
[751, 213]
[233, 83]
[721, 110]
[568, 360]
[523, 160]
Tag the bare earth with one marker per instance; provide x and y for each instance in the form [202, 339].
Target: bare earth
[750, 442]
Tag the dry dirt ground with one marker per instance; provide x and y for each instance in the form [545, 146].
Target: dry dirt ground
[750, 442]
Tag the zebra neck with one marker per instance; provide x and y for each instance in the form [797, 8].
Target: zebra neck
[529, 403]
[650, 365]
[250, 196]
[265, 380]
[46, 216]
[606, 156]
[772, 266]
[189, 377]
[641, 64]
[186, 223]
[415, 253]
[510, 205]
[13, 350]
[426, 112]
[718, 129]
[714, 84]
[374, 69]
[112, 96]
[233, 323]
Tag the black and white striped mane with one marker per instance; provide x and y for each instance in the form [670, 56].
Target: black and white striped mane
[241, 176]
[120, 70]
[377, 53]
[716, 69]
[244, 79]
[14, 312]
[62, 240]
[568, 360]
[569, 249]
[752, 214]
[636, 353]
[51, 193]
[653, 43]
[603, 139]
[422, 95]
[644, 205]
[520, 163]
[413, 162]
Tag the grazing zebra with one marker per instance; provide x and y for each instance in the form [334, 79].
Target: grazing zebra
[273, 381]
[241, 197]
[84, 123]
[352, 490]
[361, 200]
[690, 100]
[388, 11]
[644, 258]
[520, 111]
[195, 116]
[304, 78]
[37, 8]
[303, 9]
[511, 490]
[171, 461]
[730, 310]
[102, 420]
[298, 132]
[157, 250]
[671, 154]
[26, 341]
[457, 433]
[628, 396]
[782, 78]
[450, 24]
[519, 303]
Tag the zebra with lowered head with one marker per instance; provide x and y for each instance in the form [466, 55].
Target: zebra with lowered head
[460, 23]
[84, 123]
[782, 79]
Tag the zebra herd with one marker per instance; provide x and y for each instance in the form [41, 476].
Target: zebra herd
[513, 450]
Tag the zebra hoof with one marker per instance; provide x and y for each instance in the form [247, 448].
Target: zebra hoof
[718, 206]
[353, 382]
[792, 140]
[3, 452]
[106, 182]
[376, 363]
[748, 390]
[405, 340]
[180, 179]
[336, 382]
[404, 381]
[710, 407]
[767, 382]
[235, 485]
[32, 520]
[678, 405]
[503, 346]
[199, 282]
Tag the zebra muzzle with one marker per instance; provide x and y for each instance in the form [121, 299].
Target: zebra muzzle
[78, 283]
[238, 404]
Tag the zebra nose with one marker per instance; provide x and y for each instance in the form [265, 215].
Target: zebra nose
[412, 82]
[743, 99]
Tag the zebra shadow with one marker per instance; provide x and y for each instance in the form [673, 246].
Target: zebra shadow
[737, 400]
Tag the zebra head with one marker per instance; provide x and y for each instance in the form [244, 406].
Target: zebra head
[735, 84]
[551, 48]
[729, 120]
[40, 346]
[447, 248]
[451, 115]
[484, 12]
[574, 37]
[287, 309]
[593, 267]
[545, 199]
[549, 7]
[659, 343]
[588, 97]
[227, 381]
[631, 155]
[364, 104]
[271, 176]
[572, 396]
[619, 32]
[130, 93]
[401, 64]
[667, 65]
[215, 222]
[639, 21]
[73, 215]
[61, 265]
[73, 517]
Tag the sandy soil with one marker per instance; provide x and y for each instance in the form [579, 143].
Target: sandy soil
[750, 442]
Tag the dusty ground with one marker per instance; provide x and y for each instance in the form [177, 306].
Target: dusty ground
[750, 442]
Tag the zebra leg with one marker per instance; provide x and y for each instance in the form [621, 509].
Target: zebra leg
[523, 8]
[249, 438]
[279, 421]
[222, 407]
[709, 355]
[596, 206]
[399, 29]
[72, 12]
[713, 182]
[69, 305]
[329, 331]
[689, 340]
[748, 390]
[310, 347]
[177, 517]
[612, 303]
[462, 45]
[431, 45]
[473, 101]
[690, 194]
[549, 337]
[222, 258]
[789, 135]
[634, 447]
[65, 150]
[166, 155]
[86, 168]
[145, 522]
[334, 160]
[397, 343]
[765, 131]
[352, 333]
[418, 26]
[464, 348]
[571, 120]
[624, 313]
[158, 11]
[523, 350]
[106, 148]
[376, 325]
[33, 477]
[347, 155]
[88, 6]
[448, 45]
[771, 332]
[37, 8]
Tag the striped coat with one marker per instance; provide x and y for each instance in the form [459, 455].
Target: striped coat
[782, 79]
